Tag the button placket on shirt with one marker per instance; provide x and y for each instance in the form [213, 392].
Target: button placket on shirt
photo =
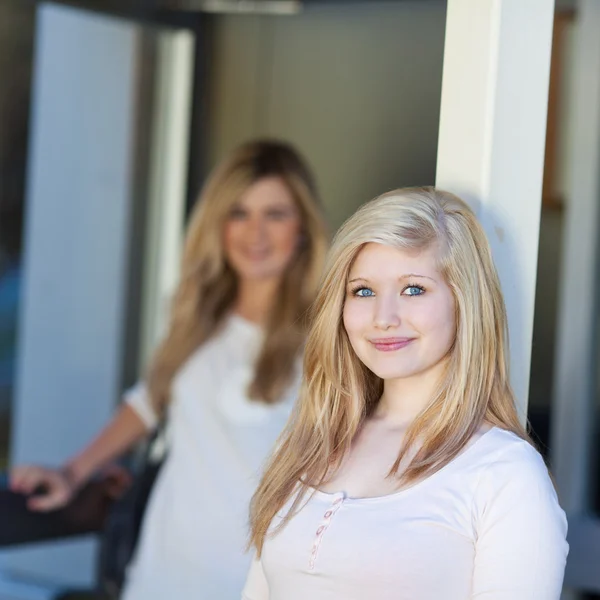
[322, 528]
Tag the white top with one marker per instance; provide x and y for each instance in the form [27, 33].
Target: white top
[195, 528]
[486, 526]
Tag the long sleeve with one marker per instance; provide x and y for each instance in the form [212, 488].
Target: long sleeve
[256, 587]
[138, 399]
[521, 547]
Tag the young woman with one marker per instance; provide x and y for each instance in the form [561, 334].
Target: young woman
[227, 371]
[404, 473]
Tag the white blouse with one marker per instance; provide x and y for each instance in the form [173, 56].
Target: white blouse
[487, 526]
[194, 534]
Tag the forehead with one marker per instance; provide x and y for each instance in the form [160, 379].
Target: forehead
[377, 261]
[267, 192]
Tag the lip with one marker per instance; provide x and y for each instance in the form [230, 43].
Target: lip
[256, 254]
[391, 344]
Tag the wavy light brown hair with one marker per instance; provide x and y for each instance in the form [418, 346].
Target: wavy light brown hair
[339, 392]
[208, 285]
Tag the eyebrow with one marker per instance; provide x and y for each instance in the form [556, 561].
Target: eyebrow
[406, 276]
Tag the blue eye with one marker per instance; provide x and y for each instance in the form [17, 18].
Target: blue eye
[363, 292]
[413, 290]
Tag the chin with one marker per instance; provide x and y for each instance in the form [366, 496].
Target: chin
[386, 372]
[390, 375]
[250, 270]
[259, 275]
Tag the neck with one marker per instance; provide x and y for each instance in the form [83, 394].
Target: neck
[255, 299]
[404, 399]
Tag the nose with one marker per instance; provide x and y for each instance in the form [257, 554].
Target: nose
[256, 230]
[387, 311]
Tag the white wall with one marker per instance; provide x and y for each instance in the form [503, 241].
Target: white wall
[492, 140]
[78, 207]
[355, 87]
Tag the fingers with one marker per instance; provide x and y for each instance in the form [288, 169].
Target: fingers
[47, 502]
[26, 479]
[55, 489]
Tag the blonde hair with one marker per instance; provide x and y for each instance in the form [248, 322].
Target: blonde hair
[339, 392]
[208, 285]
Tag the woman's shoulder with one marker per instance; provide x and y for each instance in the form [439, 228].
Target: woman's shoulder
[515, 501]
[502, 447]
[512, 469]
[497, 455]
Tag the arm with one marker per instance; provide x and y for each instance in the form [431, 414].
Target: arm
[128, 426]
[521, 547]
[256, 587]
[124, 431]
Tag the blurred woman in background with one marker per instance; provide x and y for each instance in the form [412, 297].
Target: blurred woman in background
[226, 374]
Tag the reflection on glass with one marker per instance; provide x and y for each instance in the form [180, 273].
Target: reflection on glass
[544, 326]
[16, 49]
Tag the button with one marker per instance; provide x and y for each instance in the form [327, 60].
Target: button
[320, 530]
[337, 500]
[328, 514]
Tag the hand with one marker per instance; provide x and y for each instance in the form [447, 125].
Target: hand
[49, 489]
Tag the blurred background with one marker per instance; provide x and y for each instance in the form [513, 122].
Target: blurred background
[112, 113]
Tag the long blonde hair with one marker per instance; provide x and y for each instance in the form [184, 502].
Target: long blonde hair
[339, 392]
[208, 285]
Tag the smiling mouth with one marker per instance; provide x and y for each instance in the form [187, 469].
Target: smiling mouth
[256, 254]
[391, 344]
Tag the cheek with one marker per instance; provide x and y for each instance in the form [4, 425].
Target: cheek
[444, 334]
[441, 324]
[355, 316]
[285, 237]
[231, 234]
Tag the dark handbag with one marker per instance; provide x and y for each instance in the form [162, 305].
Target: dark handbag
[123, 522]
[20, 525]
[92, 510]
